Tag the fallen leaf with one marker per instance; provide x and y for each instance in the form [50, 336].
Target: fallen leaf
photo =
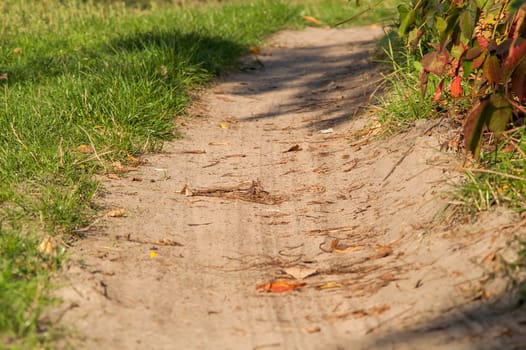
[4, 76]
[300, 272]
[359, 313]
[195, 151]
[113, 176]
[186, 191]
[295, 148]
[382, 251]
[489, 258]
[255, 50]
[47, 246]
[330, 285]
[280, 286]
[327, 131]
[116, 213]
[223, 126]
[378, 310]
[18, 50]
[312, 329]
[312, 20]
[218, 144]
[135, 161]
[85, 149]
[387, 277]
[153, 254]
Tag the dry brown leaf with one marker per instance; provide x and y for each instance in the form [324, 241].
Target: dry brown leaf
[218, 143]
[255, 50]
[116, 213]
[382, 251]
[47, 246]
[4, 76]
[330, 285]
[18, 50]
[85, 149]
[312, 329]
[378, 310]
[118, 167]
[300, 272]
[195, 151]
[312, 20]
[186, 191]
[490, 258]
[295, 148]
[387, 277]
[113, 176]
[280, 286]
[135, 161]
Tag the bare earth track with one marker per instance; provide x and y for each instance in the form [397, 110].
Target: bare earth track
[268, 185]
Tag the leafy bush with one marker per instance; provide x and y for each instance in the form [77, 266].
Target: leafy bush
[478, 50]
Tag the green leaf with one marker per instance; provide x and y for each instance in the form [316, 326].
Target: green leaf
[492, 70]
[467, 21]
[467, 67]
[474, 126]
[500, 113]
[406, 22]
[440, 24]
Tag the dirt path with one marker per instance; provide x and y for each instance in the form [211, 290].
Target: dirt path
[273, 188]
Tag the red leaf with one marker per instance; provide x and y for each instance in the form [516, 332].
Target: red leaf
[516, 54]
[456, 87]
[483, 42]
[473, 53]
[518, 81]
[435, 62]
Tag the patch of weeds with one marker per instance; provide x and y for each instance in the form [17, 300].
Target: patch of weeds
[400, 103]
[501, 179]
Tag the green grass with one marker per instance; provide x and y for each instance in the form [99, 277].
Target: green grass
[111, 76]
[502, 178]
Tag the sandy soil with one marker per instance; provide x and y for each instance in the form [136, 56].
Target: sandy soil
[269, 185]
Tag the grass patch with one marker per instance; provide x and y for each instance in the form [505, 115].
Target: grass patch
[403, 104]
[84, 84]
[502, 178]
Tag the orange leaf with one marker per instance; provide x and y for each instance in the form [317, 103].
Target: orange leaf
[279, 286]
[312, 20]
[85, 149]
[255, 50]
[456, 88]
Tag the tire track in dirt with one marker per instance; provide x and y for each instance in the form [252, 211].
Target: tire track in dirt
[357, 213]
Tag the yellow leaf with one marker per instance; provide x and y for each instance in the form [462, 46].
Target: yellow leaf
[47, 246]
[116, 213]
[223, 126]
[85, 149]
[312, 20]
[330, 285]
[153, 254]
